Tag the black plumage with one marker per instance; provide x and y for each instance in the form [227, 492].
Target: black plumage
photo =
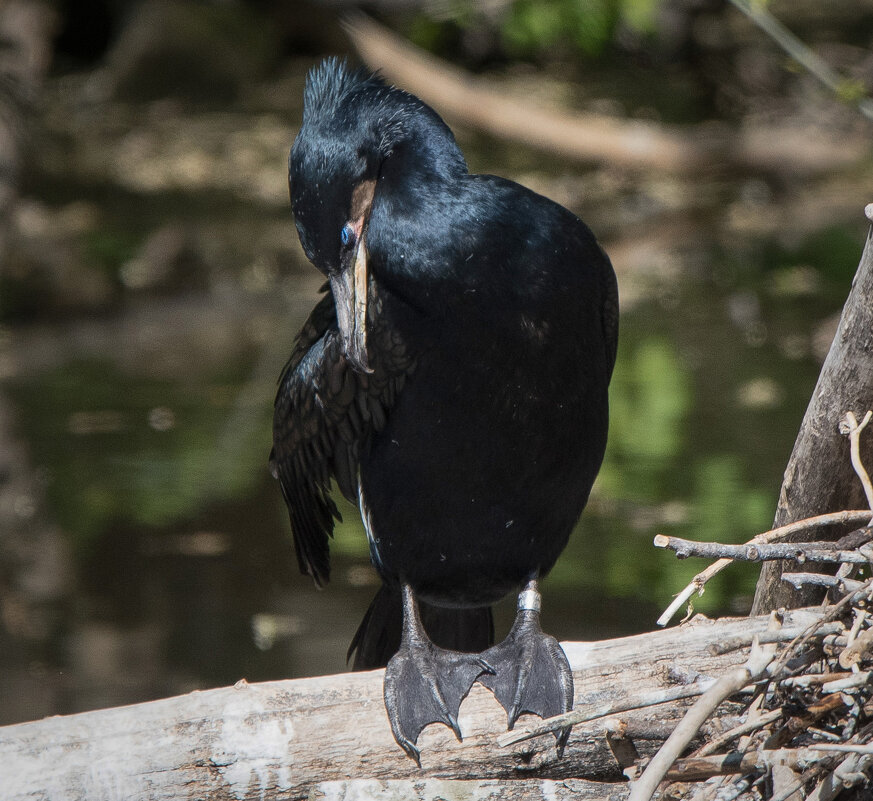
[452, 381]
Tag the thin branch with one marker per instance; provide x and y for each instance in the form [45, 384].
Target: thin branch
[738, 731]
[810, 679]
[845, 89]
[850, 425]
[849, 748]
[854, 681]
[584, 715]
[822, 551]
[779, 635]
[700, 768]
[699, 581]
[821, 580]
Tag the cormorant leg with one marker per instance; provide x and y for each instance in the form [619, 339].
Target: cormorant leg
[531, 671]
[425, 684]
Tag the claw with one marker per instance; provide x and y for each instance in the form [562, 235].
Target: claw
[486, 668]
[453, 723]
[411, 750]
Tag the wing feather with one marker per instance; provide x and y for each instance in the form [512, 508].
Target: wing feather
[323, 415]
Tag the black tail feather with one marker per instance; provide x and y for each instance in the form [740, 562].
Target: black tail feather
[378, 637]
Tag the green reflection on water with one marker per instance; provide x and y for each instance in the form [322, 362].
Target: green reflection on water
[649, 400]
[125, 448]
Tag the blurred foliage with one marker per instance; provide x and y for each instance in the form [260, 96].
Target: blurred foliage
[532, 27]
[650, 398]
[110, 248]
[833, 251]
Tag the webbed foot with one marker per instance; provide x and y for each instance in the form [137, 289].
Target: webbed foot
[531, 671]
[425, 684]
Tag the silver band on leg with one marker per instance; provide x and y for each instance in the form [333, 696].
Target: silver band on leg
[529, 599]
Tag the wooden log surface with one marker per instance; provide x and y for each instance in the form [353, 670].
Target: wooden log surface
[280, 739]
[819, 477]
[472, 790]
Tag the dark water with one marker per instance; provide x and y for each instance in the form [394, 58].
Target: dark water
[147, 429]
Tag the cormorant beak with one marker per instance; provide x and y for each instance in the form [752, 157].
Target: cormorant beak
[350, 286]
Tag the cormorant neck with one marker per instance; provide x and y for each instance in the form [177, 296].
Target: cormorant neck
[413, 207]
[422, 149]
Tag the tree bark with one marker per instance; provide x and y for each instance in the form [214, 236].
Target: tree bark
[819, 477]
[281, 739]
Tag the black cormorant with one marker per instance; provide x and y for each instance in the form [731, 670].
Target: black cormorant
[453, 382]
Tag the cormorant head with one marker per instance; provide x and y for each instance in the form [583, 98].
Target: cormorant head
[335, 151]
[353, 123]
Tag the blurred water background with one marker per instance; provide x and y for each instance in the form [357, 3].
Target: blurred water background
[151, 284]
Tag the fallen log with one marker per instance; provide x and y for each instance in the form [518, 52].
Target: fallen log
[485, 790]
[283, 739]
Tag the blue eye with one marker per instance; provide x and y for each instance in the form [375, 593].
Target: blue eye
[347, 235]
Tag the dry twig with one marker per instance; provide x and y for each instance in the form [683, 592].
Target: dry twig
[697, 584]
[584, 715]
[759, 660]
[822, 551]
[811, 719]
[849, 425]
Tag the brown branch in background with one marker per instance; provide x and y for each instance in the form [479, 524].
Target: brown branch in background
[589, 137]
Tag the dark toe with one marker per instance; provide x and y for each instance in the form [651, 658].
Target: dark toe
[425, 684]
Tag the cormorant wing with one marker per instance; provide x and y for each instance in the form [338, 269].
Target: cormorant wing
[323, 414]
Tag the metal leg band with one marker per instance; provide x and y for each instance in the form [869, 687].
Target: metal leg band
[530, 600]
